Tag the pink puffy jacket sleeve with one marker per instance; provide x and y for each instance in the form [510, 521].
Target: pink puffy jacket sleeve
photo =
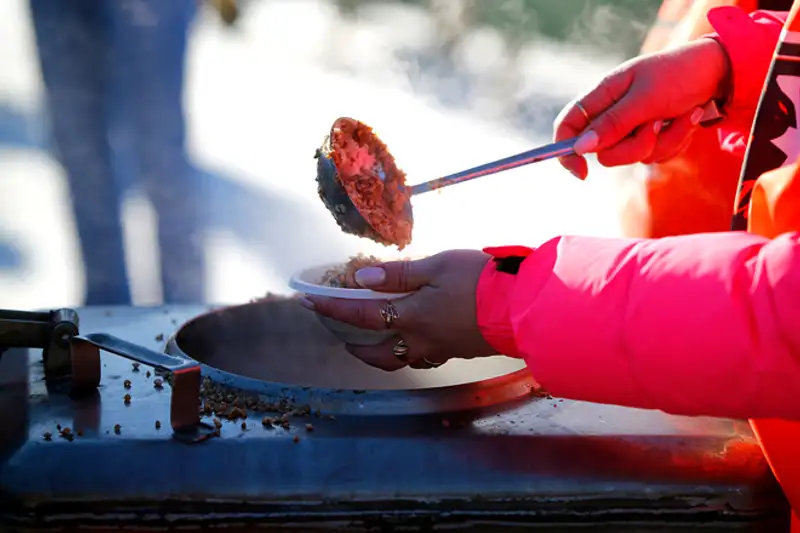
[704, 324]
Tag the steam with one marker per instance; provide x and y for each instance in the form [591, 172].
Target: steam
[609, 28]
[506, 71]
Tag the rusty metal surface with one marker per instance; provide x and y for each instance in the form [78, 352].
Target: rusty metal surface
[543, 463]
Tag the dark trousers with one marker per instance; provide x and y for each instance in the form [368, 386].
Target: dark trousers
[113, 72]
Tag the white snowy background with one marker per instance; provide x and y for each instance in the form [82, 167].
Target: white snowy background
[260, 99]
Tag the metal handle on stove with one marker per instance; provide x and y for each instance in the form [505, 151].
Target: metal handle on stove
[185, 378]
[140, 354]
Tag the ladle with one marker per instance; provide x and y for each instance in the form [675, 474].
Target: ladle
[351, 221]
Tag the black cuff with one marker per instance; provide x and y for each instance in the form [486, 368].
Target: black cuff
[509, 265]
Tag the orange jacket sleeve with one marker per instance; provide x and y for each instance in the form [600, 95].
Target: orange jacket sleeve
[750, 42]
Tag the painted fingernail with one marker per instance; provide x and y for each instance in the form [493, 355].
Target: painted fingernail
[575, 173]
[308, 304]
[657, 126]
[586, 143]
[370, 276]
[696, 117]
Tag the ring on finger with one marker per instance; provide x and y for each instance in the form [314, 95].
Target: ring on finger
[431, 364]
[389, 314]
[400, 350]
[583, 111]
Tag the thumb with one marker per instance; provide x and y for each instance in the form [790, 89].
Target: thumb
[395, 276]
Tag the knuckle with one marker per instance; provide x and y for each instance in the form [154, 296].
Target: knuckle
[613, 122]
[605, 88]
[402, 274]
[435, 264]
[561, 128]
[359, 315]
[409, 314]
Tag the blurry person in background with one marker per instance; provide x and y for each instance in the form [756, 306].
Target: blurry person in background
[102, 59]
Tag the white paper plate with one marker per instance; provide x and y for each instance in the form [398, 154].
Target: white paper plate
[308, 282]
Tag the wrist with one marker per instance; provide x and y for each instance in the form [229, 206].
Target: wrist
[722, 61]
[748, 41]
[493, 299]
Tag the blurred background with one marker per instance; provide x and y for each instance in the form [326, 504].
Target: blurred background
[162, 150]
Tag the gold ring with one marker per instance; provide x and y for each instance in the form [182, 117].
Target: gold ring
[389, 314]
[583, 110]
[400, 350]
[431, 364]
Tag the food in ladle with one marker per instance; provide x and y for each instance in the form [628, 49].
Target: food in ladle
[368, 173]
[344, 276]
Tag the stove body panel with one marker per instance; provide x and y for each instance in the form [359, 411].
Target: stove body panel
[541, 463]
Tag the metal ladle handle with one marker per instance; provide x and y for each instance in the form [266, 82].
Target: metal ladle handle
[711, 116]
[559, 149]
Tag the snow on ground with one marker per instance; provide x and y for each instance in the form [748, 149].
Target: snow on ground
[259, 100]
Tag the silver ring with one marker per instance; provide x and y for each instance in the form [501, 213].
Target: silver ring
[400, 350]
[583, 110]
[389, 314]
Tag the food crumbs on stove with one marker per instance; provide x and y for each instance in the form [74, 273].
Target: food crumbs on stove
[159, 337]
[158, 424]
[58, 427]
[66, 433]
[216, 433]
[244, 426]
[331, 417]
[267, 422]
[117, 429]
[296, 439]
[47, 436]
[158, 384]
[135, 367]
[217, 423]
[285, 425]
[127, 384]
[127, 399]
[317, 413]
[80, 433]
[309, 428]
[147, 374]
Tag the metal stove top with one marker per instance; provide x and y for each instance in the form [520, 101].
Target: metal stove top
[354, 458]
